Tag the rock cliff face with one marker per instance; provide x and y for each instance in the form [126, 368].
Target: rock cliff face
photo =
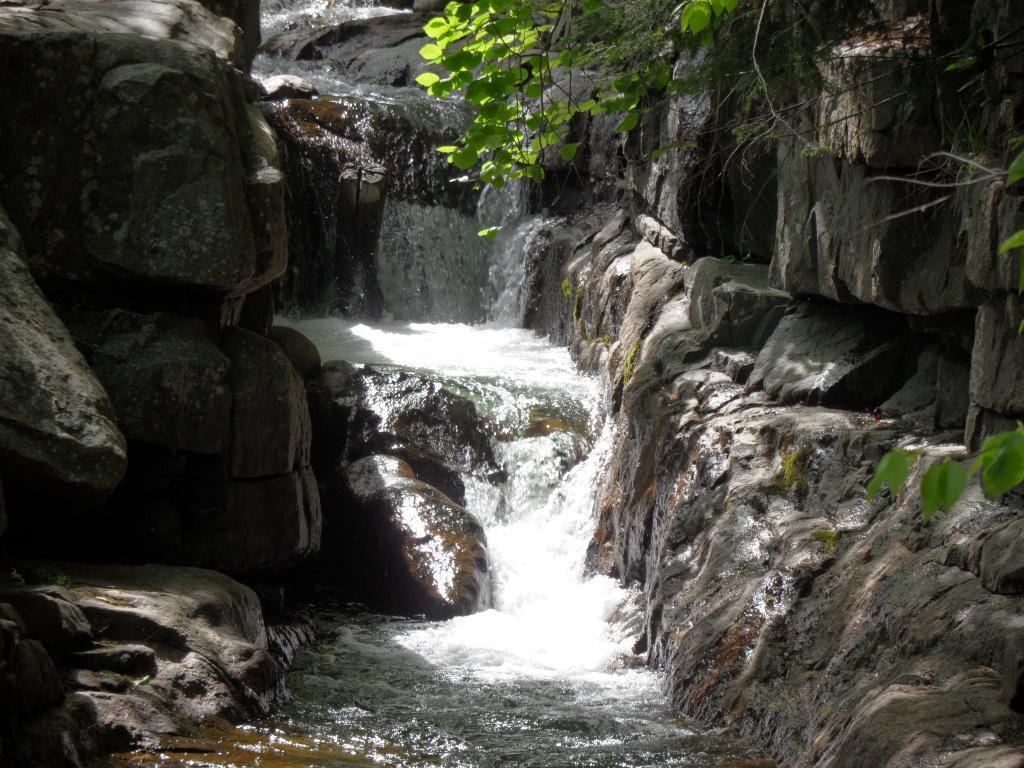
[753, 398]
[147, 412]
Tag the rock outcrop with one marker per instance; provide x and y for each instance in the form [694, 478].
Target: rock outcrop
[753, 395]
[57, 426]
[380, 51]
[219, 435]
[145, 413]
[346, 158]
[174, 197]
[124, 657]
[392, 541]
[396, 449]
[780, 601]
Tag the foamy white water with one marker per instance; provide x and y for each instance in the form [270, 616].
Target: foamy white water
[551, 620]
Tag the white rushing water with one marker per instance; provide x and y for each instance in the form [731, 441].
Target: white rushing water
[552, 623]
[551, 620]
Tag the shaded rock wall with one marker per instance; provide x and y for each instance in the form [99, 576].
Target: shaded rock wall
[147, 414]
[168, 215]
[123, 657]
[753, 395]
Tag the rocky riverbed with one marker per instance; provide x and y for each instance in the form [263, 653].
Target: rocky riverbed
[255, 364]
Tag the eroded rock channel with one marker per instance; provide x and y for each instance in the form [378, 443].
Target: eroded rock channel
[298, 470]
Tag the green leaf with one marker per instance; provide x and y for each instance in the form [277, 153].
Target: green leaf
[893, 470]
[490, 233]
[568, 152]
[427, 79]
[1016, 172]
[696, 17]
[628, 122]
[1002, 460]
[461, 61]
[1016, 240]
[962, 63]
[465, 158]
[431, 52]
[436, 27]
[447, 150]
[942, 487]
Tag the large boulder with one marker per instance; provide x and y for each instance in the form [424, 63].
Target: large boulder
[383, 50]
[220, 443]
[57, 426]
[155, 183]
[270, 429]
[190, 609]
[166, 376]
[396, 413]
[833, 356]
[173, 646]
[402, 545]
[184, 20]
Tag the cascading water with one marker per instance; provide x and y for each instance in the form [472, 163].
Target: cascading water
[548, 677]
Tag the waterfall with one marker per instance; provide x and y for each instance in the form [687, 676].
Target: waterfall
[431, 264]
[510, 271]
[453, 306]
[550, 619]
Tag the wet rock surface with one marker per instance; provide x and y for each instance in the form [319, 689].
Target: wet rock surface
[345, 158]
[752, 402]
[398, 449]
[381, 51]
[397, 413]
[136, 654]
[836, 630]
[393, 541]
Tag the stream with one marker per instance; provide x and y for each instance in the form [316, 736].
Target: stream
[548, 677]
